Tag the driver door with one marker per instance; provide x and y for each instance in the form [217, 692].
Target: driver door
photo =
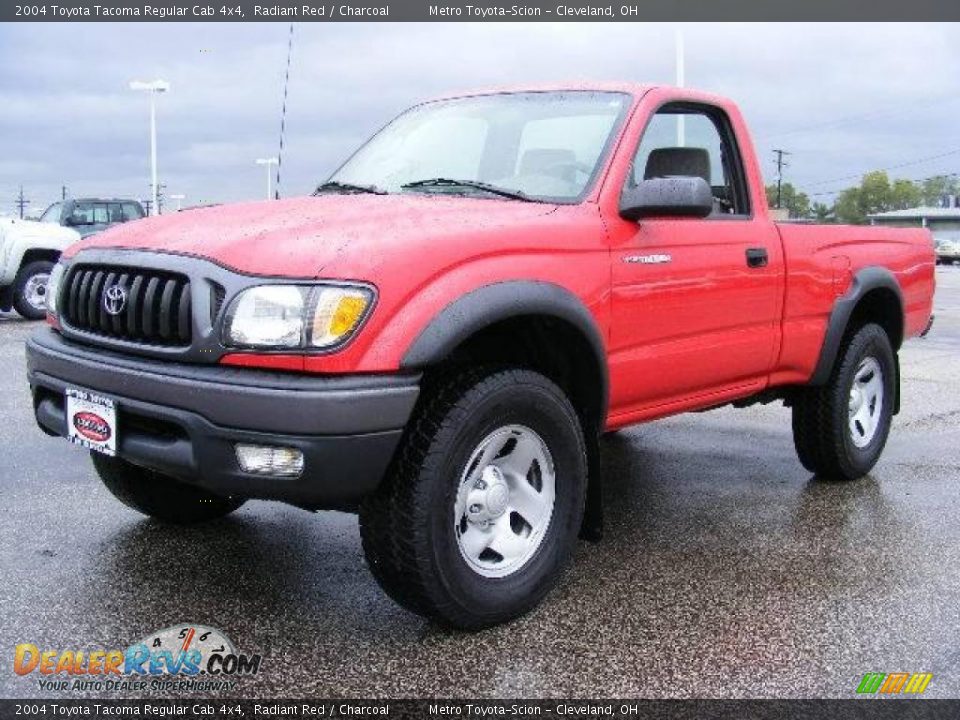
[696, 302]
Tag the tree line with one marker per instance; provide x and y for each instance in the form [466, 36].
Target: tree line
[876, 193]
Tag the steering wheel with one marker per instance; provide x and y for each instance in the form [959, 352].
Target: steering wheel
[576, 165]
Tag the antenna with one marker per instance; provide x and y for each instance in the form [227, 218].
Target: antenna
[283, 111]
[681, 125]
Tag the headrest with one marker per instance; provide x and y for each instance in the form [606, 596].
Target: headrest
[678, 162]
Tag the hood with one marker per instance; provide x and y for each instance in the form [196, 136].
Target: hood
[339, 236]
[30, 230]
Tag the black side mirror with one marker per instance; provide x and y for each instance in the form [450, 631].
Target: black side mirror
[667, 197]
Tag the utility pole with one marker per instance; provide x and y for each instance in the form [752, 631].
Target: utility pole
[159, 197]
[63, 192]
[267, 162]
[22, 202]
[154, 87]
[781, 164]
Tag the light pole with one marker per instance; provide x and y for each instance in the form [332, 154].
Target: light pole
[268, 163]
[179, 198]
[153, 87]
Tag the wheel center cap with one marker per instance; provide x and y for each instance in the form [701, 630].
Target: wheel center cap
[497, 497]
[856, 399]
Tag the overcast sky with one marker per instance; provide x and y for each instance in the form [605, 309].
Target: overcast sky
[843, 98]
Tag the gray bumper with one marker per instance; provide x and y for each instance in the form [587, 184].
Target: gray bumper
[184, 420]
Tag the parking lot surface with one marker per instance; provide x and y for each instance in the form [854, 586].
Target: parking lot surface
[726, 570]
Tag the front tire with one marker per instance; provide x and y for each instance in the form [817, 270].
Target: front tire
[30, 289]
[160, 496]
[840, 429]
[480, 512]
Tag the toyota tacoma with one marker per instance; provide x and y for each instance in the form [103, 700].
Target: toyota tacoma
[438, 337]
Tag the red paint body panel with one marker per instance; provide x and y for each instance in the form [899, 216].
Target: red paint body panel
[701, 330]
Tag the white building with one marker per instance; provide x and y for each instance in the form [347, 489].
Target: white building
[943, 222]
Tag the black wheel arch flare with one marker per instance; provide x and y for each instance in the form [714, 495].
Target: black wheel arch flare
[865, 281]
[487, 305]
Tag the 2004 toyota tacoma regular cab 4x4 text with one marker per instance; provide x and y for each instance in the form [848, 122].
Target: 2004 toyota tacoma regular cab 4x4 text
[439, 336]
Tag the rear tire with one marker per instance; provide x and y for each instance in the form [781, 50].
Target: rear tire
[457, 531]
[30, 289]
[841, 428]
[160, 496]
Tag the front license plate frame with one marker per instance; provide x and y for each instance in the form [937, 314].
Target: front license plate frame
[92, 421]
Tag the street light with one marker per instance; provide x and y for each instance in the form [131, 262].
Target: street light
[268, 163]
[179, 198]
[153, 87]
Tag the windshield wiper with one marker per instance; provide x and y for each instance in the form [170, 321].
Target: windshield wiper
[486, 187]
[337, 186]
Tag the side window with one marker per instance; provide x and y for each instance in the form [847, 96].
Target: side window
[82, 213]
[686, 140]
[100, 214]
[131, 211]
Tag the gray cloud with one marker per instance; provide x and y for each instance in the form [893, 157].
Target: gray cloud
[844, 98]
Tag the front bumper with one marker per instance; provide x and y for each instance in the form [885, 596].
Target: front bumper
[185, 420]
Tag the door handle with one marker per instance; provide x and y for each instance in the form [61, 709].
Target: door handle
[756, 257]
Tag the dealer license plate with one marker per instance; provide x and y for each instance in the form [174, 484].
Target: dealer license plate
[92, 421]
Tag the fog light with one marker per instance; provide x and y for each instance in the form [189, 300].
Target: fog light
[270, 460]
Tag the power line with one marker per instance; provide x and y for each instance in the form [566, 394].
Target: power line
[920, 161]
[886, 112]
[913, 180]
[781, 164]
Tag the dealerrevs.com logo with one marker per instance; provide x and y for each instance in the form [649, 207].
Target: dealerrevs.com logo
[180, 657]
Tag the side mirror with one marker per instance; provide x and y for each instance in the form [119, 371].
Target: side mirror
[667, 197]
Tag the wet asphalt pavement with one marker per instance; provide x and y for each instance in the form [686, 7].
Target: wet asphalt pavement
[726, 569]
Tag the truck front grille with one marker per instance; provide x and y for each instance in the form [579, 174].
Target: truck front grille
[133, 304]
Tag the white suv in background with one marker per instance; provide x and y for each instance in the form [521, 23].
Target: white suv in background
[28, 251]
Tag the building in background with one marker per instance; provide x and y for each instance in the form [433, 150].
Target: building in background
[942, 222]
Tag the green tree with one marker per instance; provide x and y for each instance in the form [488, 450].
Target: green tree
[821, 212]
[933, 189]
[796, 202]
[875, 194]
[904, 194]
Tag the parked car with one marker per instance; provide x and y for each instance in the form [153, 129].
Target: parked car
[28, 252]
[92, 215]
[438, 339]
[948, 251]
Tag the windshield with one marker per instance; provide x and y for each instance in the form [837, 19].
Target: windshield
[51, 214]
[543, 146]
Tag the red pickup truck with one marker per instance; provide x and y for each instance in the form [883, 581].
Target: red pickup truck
[438, 337]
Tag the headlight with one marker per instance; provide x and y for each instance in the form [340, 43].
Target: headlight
[296, 316]
[53, 287]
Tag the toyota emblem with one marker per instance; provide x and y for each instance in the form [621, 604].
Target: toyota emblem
[115, 299]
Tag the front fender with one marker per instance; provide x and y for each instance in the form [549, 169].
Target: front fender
[493, 303]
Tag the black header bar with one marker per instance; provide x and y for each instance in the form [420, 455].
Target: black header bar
[477, 10]
[217, 709]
